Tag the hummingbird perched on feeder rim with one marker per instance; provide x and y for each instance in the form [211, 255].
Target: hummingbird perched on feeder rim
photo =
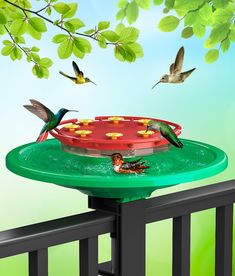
[120, 166]
[176, 74]
[79, 76]
[51, 120]
[166, 131]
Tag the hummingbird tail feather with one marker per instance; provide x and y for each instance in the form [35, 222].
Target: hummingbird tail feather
[42, 137]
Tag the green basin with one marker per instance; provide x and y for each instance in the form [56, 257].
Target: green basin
[95, 176]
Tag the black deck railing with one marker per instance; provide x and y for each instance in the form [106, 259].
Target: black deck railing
[126, 223]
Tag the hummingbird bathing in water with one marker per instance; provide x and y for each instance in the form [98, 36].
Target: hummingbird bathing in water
[120, 166]
[176, 74]
[79, 76]
[166, 131]
[51, 120]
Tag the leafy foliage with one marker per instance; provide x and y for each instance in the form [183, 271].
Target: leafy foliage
[18, 20]
[197, 18]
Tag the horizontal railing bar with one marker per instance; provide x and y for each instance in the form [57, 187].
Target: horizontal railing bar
[42, 235]
[189, 201]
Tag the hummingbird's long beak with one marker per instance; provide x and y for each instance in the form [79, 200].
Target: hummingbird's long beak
[147, 129]
[156, 84]
[93, 83]
[73, 111]
[103, 154]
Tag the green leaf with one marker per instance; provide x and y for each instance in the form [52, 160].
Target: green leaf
[144, 4]
[219, 32]
[225, 44]
[103, 25]
[190, 18]
[61, 7]
[102, 42]
[211, 56]
[187, 32]
[16, 54]
[73, 8]
[45, 72]
[48, 10]
[84, 43]
[7, 42]
[59, 38]
[19, 39]
[129, 35]
[34, 33]
[137, 49]
[38, 71]
[35, 57]
[65, 49]
[121, 14]
[205, 13]
[69, 27]
[18, 27]
[220, 3]
[38, 24]
[18, 14]
[91, 31]
[110, 35]
[3, 18]
[7, 50]
[199, 30]
[129, 54]
[122, 4]
[120, 53]
[168, 23]
[222, 15]
[157, 2]
[46, 62]
[2, 30]
[209, 44]
[165, 10]
[170, 4]
[35, 49]
[77, 52]
[232, 35]
[132, 12]
[76, 23]
[119, 28]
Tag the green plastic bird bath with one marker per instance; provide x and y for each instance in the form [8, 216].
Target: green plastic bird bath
[95, 176]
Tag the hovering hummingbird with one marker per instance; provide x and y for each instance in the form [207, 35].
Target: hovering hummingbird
[166, 131]
[120, 166]
[176, 76]
[51, 120]
[79, 78]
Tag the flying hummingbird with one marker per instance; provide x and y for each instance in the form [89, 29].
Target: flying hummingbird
[166, 131]
[120, 166]
[176, 76]
[51, 120]
[79, 76]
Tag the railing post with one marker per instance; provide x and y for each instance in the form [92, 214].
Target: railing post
[38, 262]
[88, 255]
[224, 239]
[181, 246]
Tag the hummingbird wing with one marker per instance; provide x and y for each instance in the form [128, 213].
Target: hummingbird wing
[77, 70]
[172, 68]
[67, 76]
[178, 61]
[187, 74]
[168, 133]
[40, 110]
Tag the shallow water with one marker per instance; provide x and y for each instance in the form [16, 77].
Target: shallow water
[49, 157]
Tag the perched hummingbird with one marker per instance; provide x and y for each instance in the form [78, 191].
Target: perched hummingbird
[166, 131]
[120, 166]
[51, 120]
[79, 79]
[176, 76]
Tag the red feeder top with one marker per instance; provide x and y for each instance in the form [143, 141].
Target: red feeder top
[111, 133]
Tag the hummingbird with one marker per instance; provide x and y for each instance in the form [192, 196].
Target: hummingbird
[176, 74]
[166, 131]
[79, 76]
[120, 166]
[51, 120]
